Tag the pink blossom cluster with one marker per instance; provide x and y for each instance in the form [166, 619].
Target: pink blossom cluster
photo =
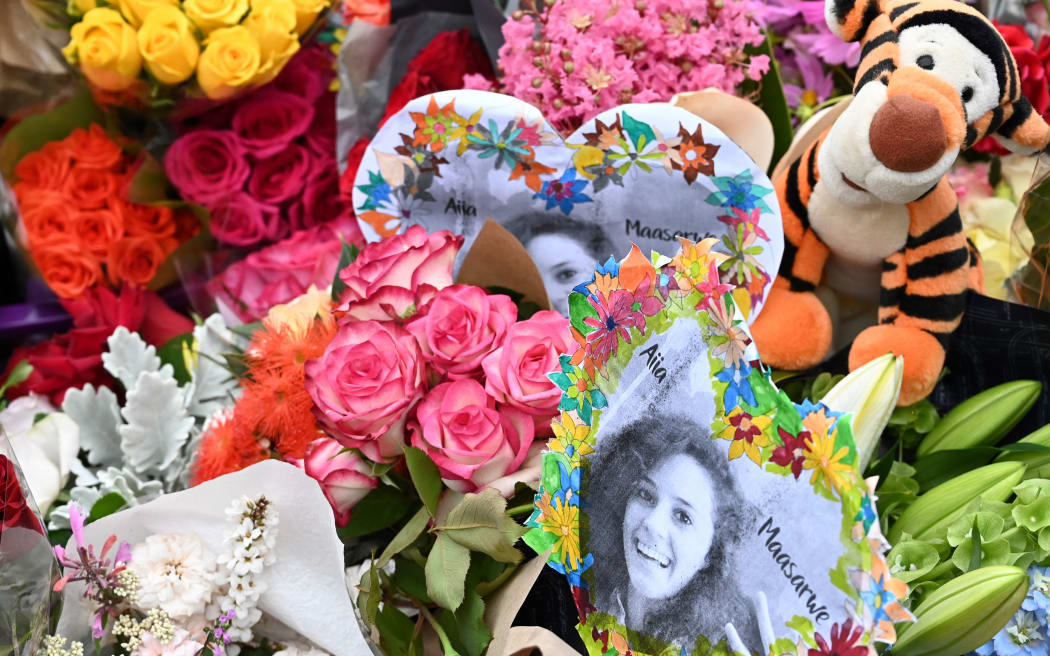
[577, 58]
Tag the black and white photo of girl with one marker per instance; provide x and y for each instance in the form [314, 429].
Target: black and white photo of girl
[565, 250]
[665, 516]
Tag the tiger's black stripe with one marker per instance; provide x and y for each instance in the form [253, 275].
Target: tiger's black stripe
[945, 307]
[949, 225]
[886, 37]
[883, 66]
[794, 198]
[935, 265]
[897, 11]
[997, 120]
[811, 174]
[890, 296]
[1022, 110]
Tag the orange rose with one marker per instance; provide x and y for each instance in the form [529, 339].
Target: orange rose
[97, 229]
[29, 196]
[51, 218]
[47, 168]
[91, 188]
[92, 148]
[147, 220]
[67, 269]
[134, 259]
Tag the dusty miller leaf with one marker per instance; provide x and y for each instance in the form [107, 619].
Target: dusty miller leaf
[111, 480]
[129, 356]
[215, 387]
[157, 425]
[98, 415]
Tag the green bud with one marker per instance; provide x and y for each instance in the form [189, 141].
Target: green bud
[982, 419]
[964, 613]
[1037, 462]
[929, 516]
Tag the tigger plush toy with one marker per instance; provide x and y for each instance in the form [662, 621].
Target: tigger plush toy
[868, 202]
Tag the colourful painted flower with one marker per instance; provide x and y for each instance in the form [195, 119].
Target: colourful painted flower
[791, 452]
[570, 438]
[745, 218]
[748, 434]
[377, 190]
[694, 156]
[844, 641]
[565, 192]
[439, 127]
[578, 394]
[574, 574]
[564, 521]
[825, 461]
[506, 146]
[642, 146]
[866, 515]
[569, 487]
[739, 191]
[424, 159]
[616, 317]
[742, 266]
[738, 388]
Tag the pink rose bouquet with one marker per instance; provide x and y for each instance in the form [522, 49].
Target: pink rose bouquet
[268, 169]
[345, 478]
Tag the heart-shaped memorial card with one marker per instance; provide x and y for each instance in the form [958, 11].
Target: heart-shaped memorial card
[693, 507]
[645, 174]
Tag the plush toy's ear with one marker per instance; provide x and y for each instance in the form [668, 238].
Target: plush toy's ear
[1023, 130]
[850, 19]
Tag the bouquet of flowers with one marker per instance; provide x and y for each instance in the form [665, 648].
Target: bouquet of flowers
[78, 223]
[265, 165]
[151, 53]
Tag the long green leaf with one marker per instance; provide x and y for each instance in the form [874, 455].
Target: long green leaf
[406, 536]
[446, 572]
[425, 477]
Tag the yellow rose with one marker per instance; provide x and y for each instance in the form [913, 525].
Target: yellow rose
[106, 49]
[273, 24]
[136, 11]
[229, 62]
[168, 45]
[306, 12]
[83, 6]
[212, 14]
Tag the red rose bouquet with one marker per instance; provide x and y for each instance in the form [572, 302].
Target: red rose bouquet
[271, 169]
[77, 222]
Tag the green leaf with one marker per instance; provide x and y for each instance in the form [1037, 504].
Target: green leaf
[773, 102]
[579, 309]
[19, 373]
[371, 594]
[32, 133]
[478, 523]
[446, 572]
[396, 632]
[410, 577]
[639, 132]
[466, 627]
[247, 330]
[381, 508]
[406, 536]
[347, 255]
[940, 466]
[975, 546]
[174, 352]
[425, 477]
[106, 506]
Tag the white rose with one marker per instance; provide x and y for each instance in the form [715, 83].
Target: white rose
[45, 450]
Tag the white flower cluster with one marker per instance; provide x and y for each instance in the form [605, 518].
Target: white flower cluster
[156, 623]
[176, 574]
[248, 548]
[56, 645]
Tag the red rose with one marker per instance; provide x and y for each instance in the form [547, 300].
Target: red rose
[321, 201]
[440, 67]
[243, 221]
[93, 149]
[91, 188]
[47, 168]
[73, 359]
[48, 217]
[308, 74]
[206, 166]
[278, 178]
[134, 259]
[14, 509]
[321, 136]
[150, 220]
[96, 230]
[270, 121]
[353, 161]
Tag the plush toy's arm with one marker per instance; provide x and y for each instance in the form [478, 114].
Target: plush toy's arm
[794, 329]
[923, 294]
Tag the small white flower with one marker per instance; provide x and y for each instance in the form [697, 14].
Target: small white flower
[176, 574]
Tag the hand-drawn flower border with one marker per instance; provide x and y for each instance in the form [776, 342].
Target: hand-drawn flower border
[625, 304]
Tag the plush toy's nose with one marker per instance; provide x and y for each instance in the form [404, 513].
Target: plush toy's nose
[907, 134]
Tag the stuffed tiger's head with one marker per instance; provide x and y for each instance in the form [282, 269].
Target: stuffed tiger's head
[935, 77]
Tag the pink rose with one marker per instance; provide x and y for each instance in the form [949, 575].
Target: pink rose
[271, 120]
[398, 273]
[241, 220]
[207, 165]
[308, 74]
[283, 176]
[344, 477]
[321, 136]
[281, 272]
[472, 442]
[363, 385]
[460, 327]
[516, 373]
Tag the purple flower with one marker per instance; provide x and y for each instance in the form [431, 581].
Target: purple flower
[564, 192]
[76, 522]
[817, 84]
[96, 626]
[123, 553]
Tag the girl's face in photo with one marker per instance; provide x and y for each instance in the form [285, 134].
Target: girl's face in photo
[668, 527]
[563, 264]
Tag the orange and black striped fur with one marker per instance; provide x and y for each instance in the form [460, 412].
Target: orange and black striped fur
[870, 193]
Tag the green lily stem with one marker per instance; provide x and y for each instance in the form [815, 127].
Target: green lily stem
[524, 508]
[446, 644]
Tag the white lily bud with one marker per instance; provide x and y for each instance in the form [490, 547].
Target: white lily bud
[870, 394]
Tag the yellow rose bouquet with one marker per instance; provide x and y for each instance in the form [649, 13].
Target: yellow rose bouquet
[150, 53]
